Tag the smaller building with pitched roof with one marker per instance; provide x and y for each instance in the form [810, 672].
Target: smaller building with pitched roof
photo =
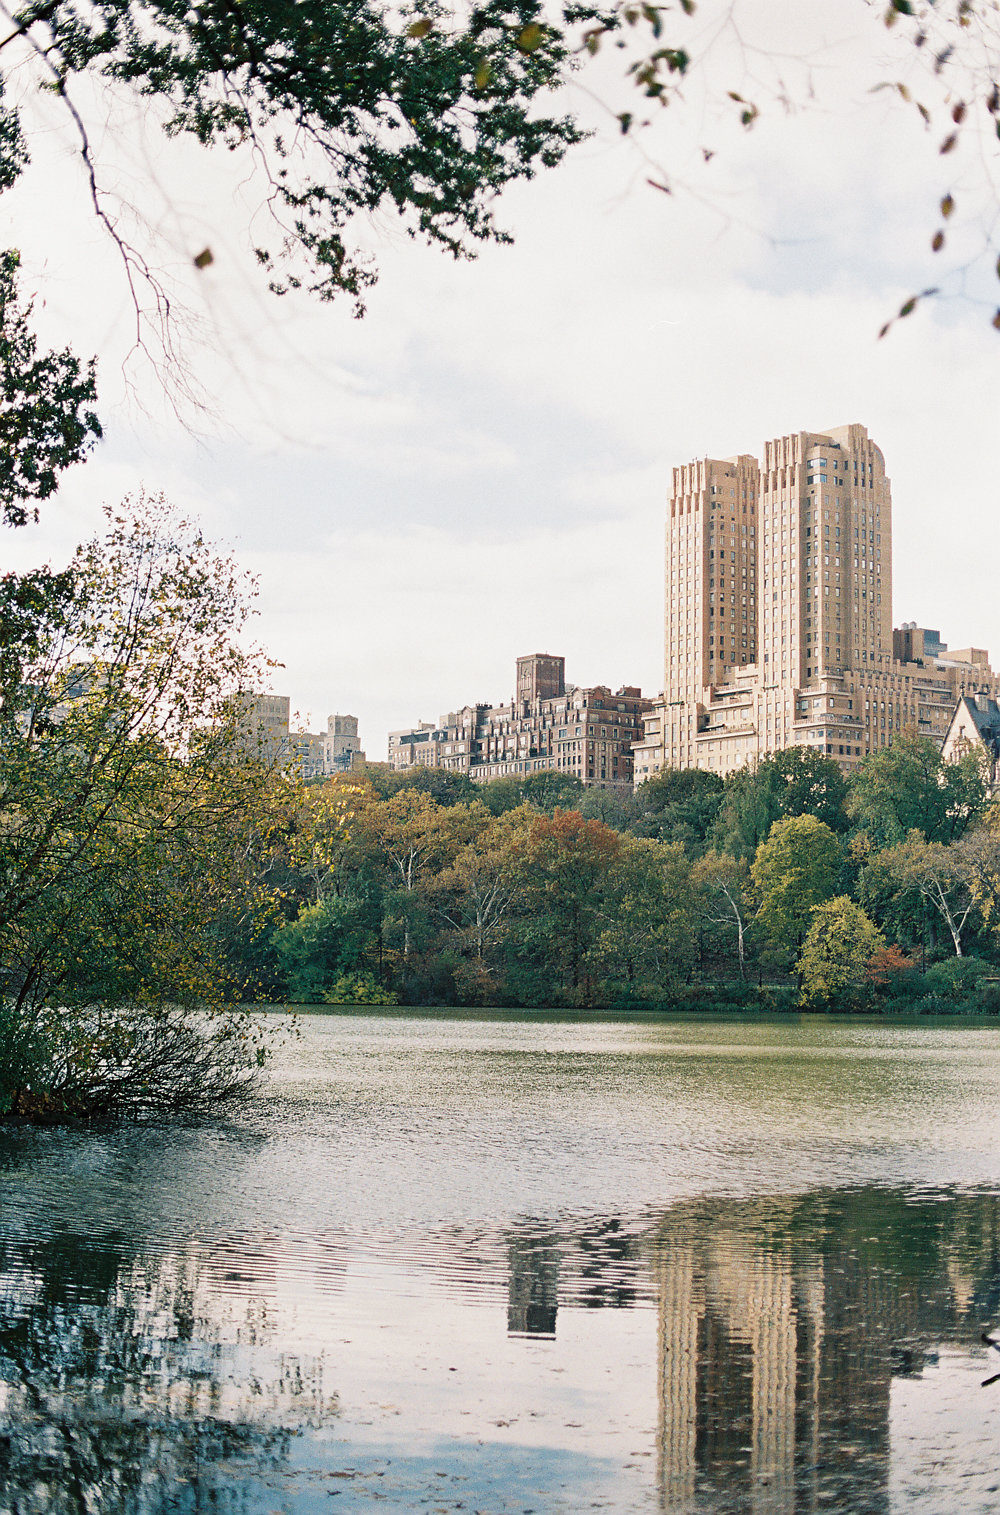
[975, 726]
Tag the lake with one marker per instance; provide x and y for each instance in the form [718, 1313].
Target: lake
[520, 1263]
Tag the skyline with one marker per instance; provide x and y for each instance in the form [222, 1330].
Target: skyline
[480, 467]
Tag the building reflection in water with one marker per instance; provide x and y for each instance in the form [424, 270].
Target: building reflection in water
[533, 1286]
[780, 1328]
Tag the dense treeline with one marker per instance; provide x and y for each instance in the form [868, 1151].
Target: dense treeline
[783, 884]
[158, 877]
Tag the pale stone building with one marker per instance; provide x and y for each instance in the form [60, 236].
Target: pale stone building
[975, 727]
[325, 753]
[341, 744]
[778, 607]
[548, 724]
[264, 729]
[262, 726]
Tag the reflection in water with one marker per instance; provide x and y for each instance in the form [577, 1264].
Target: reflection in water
[499, 1266]
[781, 1327]
[533, 1287]
[117, 1396]
[134, 1384]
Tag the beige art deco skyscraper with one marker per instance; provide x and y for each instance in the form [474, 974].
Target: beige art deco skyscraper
[778, 612]
[711, 605]
[826, 559]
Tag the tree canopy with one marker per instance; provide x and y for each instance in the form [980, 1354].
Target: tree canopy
[910, 786]
[796, 868]
[839, 947]
[131, 827]
[422, 112]
[352, 108]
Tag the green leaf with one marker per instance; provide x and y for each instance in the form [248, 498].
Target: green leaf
[420, 28]
[531, 38]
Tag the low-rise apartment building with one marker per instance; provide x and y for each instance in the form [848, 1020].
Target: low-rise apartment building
[322, 754]
[548, 724]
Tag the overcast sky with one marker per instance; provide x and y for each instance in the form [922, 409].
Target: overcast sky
[478, 468]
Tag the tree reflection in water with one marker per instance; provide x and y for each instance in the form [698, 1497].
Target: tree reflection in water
[118, 1399]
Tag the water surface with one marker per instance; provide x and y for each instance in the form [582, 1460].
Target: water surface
[522, 1263]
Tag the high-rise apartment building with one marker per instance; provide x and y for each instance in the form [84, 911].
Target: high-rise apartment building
[778, 613]
[262, 725]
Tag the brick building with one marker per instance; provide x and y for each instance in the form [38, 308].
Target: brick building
[548, 724]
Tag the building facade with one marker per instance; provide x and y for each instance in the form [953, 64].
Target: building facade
[262, 725]
[341, 744]
[548, 724]
[975, 727]
[778, 614]
[318, 755]
[265, 730]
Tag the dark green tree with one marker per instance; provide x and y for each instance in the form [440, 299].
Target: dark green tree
[910, 787]
[46, 416]
[678, 805]
[545, 791]
[808, 783]
[794, 781]
[441, 784]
